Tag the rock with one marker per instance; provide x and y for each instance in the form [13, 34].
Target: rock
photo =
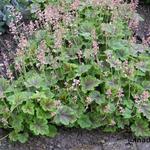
[119, 145]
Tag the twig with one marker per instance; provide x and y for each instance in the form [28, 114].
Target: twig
[4, 137]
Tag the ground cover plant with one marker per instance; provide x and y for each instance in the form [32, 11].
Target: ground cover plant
[77, 65]
[26, 8]
[7, 11]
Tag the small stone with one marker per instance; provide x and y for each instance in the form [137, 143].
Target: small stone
[58, 145]
[102, 141]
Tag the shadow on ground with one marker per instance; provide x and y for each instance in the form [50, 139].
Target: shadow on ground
[77, 139]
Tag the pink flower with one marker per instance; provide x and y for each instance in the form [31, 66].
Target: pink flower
[79, 53]
[134, 4]
[95, 47]
[8, 71]
[51, 14]
[142, 98]
[22, 42]
[58, 38]
[41, 54]
[75, 4]
[109, 93]
[136, 98]
[75, 82]
[145, 96]
[120, 93]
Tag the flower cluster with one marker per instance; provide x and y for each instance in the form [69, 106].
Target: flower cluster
[142, 97]
[120, 93]
[127, 69]
[75, 4]
[41, 54]
[109, 93]
[78, 65]
[7, 67]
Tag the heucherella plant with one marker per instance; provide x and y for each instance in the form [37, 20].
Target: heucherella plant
[9, 10]
[77, 65]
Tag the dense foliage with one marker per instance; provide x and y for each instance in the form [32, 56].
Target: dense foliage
[26, 8]
[7, 11]
[80, 68]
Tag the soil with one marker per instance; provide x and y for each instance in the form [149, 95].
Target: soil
[79, 139]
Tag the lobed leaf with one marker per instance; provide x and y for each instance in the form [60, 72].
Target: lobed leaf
[88, 83]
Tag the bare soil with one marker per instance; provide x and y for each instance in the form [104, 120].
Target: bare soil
[78, 139]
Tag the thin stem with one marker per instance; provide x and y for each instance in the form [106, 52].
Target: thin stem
[79, 94]
[129, 91]
[4, 137]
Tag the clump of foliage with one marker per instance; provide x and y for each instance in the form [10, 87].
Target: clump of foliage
[7, 8]
[81, 67]
[27, 8]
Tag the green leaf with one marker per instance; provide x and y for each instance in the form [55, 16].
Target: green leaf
[143, 66]
[145, 109]
[40, 34]
[68, 67]
[40, 1]
[83, 69]
[135, 48]
[17, 122]
[86, 35]
[110, 129]
[40, 113]
[127, 113]
[128, 103]
[97, 97]
[88, 54]
[21, 137]
[141, 128]
[108, 28]
[3, 109]
[4, 84]
[65, 116]
[52, 131]
[34, 80]
[84, 121]
[97, 120]
[146, 85]
[112, 83]
[118, 44]
[86, 28]
[18, 98]
[88, 83]
[39, 126]
[28, 108]
[47, 104]
[119, 122]
[38, 95]
[111, 107]
[123, 54]
[13, 136]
